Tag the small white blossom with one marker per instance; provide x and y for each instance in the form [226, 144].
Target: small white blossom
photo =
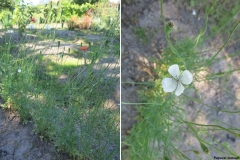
[175, 83]
[9, 31]
[19, 70]
[31, 26]
[194, 12]
[60, 55]
[48, 27]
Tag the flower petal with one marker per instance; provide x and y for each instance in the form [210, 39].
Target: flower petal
[174, 71]
[169, 84]
[186, 77]
[179, 90]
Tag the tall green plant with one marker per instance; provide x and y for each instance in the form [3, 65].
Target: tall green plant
[6, 18]
[21, 16]
[163, 116]
[7, 4]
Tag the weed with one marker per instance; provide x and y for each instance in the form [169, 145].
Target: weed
[164, 118]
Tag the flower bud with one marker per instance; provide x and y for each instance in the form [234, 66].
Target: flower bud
[61, 13]
[58, 44]
[204, 148]
[166, 158]
[196, 152]
[238, 135]
[169, 27]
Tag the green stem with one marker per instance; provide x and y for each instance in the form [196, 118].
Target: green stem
[167, 35]
[193, 99]
[209, 125]
[210, 61]
[206, 24]
[146, 83]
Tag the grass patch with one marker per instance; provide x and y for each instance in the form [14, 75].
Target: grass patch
[50, 86]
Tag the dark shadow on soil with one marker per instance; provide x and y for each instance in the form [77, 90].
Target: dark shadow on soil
[18, 140]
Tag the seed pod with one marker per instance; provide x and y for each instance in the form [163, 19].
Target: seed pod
[166, 158]
[196, 152]
[58, 44]
[204, 148]
[51, 17]
[169, 27]
[61, 13]
[238, 135]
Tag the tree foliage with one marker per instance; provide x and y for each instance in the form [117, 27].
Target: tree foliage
[74, 9]
[7, 5]
[80, 2]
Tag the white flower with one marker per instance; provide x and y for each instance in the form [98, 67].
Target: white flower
[19, 70]
[31, 26]
[194, 12]
[48, 27]
[175, 83]
[60, 55]
[9, 31]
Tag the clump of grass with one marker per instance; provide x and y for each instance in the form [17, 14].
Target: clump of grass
[163, 117]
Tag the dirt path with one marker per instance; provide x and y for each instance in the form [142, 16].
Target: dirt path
[143, 39]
